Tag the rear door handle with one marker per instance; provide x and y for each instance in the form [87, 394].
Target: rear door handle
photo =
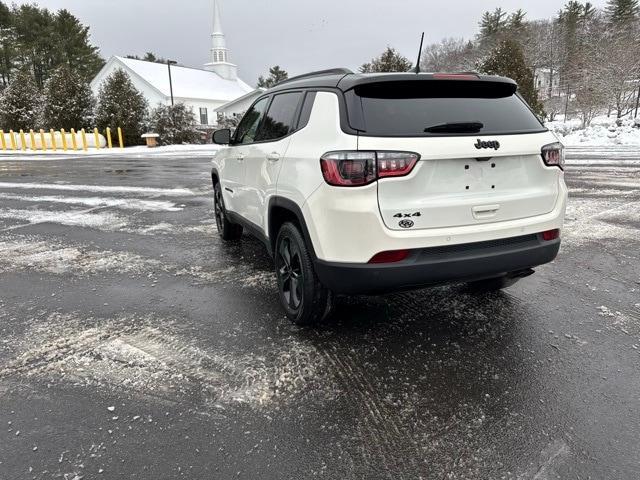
[273, 156]
[240, 158]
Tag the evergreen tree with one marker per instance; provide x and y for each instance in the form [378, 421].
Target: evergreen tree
[507, 59]
[497, 25]
[6, 44]
[276, 75]
[493, 23]
[389, 61]
[120, 104]
[39, 40]
[68, 101]
[622, 12]
[175, 125]
[20, 104]
[73, 47]
[148, 57]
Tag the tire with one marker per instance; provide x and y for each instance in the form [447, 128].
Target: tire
[228, 231]
[305, 300]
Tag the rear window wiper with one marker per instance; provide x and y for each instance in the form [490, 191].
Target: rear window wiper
[455, 127]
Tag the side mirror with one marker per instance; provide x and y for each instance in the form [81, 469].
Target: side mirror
[222, 137]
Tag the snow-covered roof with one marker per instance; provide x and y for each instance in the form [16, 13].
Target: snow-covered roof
[187, 82]
[252, 93]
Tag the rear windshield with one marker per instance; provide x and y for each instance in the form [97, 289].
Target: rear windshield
[445, 108]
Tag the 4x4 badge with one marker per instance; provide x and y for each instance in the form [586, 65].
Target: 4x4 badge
[490, 144]
[406, 223]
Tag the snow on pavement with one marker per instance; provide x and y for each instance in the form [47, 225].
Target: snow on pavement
[57, 258]
[87, 218]
[131, 354]
[171, 192]
[121, 203]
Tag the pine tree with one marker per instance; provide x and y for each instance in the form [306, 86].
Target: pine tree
[390, 61]
[622, 12]
[73, 46]
[120, 104]
[175, 124]
[68, 101]
[6, 45]
[148, 57]
[507, 59]
[20, 104]
[276, 75]
[39, 40]
[493, 23]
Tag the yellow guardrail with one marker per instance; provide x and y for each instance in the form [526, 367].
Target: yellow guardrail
[53, 140]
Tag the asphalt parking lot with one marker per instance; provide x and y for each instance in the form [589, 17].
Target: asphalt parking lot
[134, 344]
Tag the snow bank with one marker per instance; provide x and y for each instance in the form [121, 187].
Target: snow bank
[603, 131]
[137, 152]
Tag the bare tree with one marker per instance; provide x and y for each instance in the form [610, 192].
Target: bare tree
[450, 55]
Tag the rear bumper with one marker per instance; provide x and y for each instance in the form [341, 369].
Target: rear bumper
[439, 265]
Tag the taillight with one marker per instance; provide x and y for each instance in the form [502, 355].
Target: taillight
[553, 155]
[354, 169]
[396, 164]
[550, 235]
[392, 256]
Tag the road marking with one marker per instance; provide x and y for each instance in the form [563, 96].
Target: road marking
[173, 192]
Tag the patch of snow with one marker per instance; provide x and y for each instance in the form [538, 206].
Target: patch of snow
[99, 220]
[165, 228]
[134, 355]
[58, 259]
[121, 203]
[169, 192]
[603, 131]
[588, 219]
[206, 150]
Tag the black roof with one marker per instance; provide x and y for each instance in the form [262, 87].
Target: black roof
[345, 79]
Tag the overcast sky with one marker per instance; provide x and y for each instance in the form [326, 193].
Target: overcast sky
[298, 35]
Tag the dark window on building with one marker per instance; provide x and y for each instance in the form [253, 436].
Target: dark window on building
[280, 120]
[204, 116]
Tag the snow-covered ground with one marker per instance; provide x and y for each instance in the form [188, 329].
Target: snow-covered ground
[138, 151]
[603, 131]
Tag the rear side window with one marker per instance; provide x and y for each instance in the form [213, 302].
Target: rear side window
[437, 108]
[280, 119]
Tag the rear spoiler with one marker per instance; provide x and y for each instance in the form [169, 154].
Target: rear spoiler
[349, 82]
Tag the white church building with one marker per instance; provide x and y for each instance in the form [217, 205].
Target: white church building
[203, 89]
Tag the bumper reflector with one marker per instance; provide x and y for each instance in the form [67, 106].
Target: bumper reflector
[392, 256]
[550, 235]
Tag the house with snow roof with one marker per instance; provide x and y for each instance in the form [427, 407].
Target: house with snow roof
[203, 89]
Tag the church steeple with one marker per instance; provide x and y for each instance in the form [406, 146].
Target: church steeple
[219, 44]
[219, 54]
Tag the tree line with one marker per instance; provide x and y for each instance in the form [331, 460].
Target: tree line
[66, 101]
[589, 55]
[38, 41]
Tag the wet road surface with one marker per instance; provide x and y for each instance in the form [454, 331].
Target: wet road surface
[134, 344]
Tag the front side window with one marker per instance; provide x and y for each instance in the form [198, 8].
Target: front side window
[280, 120]
[204, 116]
[246, 131]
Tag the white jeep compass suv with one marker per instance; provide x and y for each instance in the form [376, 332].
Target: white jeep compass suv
[373, 183]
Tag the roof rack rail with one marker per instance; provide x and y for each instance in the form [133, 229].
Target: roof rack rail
[331, 71]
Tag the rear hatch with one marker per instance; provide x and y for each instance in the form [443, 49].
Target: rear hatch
[479, 146]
